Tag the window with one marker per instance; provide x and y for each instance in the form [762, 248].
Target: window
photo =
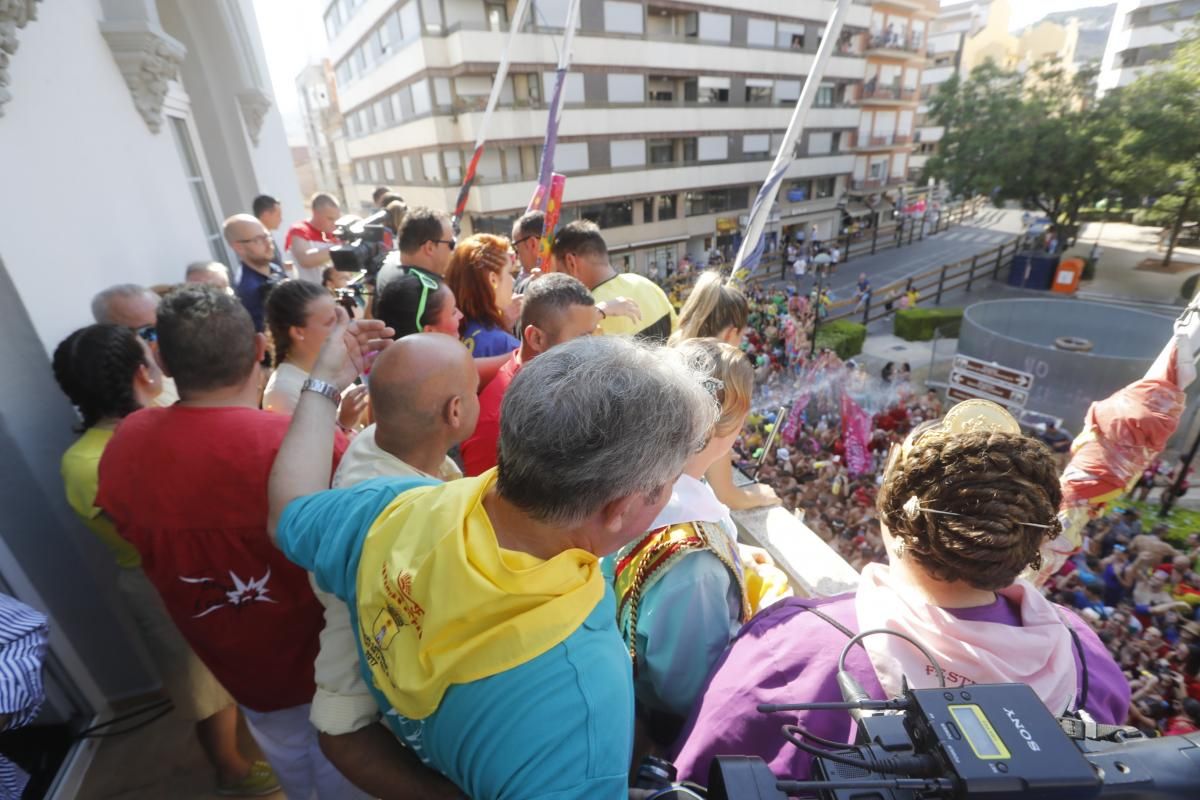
[389, 169]
[360, 171]
[497, 17]
[343, 74]
[406, 168]
[367, 119]
[373, 167]
[431, 11]
[715, 201]
[689, 151]
[713, 148]
[760, 32]
[824, 187]
[756, 143]
[712, 89]
[410, 21]
[626, 89]
[333, 21]
[432, 166]
[758, 91]
[352, 125]
[571, 157]
[787, 91]
[790, 35]
[550, 13]
[441, 92]
[622, 17]
[662, 151]
[420, 98]
[608, 215]
[453, 161]
[715, 27]
[627, 153]
[512, 163]
[359, 59]
[799, 191]
[661, 89]
[820, 143]
[824, 96]
[383, 113]
[199, 191]
[572, 88]
[666, 206]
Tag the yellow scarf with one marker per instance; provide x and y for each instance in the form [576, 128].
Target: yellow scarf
[440, 603]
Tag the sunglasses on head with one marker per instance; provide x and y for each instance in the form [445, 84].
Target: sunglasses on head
[428, 284]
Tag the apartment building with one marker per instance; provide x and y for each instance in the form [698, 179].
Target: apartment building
[1143, 33]
[673, 112]
[323, 128]
[895, 48]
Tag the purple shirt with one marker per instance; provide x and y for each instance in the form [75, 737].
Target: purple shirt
[788, 655]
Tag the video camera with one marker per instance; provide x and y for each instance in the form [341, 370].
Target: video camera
[362, 248]
[991, 742]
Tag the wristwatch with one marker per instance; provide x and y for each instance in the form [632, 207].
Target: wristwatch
[322, 388]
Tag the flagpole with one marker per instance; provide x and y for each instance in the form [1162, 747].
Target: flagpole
[497, 87]
[546, 170]
[750, 252]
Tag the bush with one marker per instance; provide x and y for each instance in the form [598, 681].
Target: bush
[918, 324]
[842, 336]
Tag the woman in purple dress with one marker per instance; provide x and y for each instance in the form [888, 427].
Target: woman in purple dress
[964, 506]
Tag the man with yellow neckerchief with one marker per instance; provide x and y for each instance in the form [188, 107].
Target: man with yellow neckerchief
[485, 627]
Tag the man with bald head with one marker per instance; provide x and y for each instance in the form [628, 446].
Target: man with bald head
[252, 243]
[423, 394]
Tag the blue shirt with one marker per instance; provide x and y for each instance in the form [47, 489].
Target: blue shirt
[557, 727]
[252, 290]
[483, 341]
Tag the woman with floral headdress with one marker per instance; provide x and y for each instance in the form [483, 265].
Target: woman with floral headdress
[964, 507]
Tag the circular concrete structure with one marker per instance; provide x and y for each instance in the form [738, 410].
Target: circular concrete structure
[1022, 334]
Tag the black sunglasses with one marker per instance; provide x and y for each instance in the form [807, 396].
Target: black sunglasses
[517, 243]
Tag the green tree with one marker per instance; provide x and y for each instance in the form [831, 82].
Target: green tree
[1161, 140]
[1036, 137]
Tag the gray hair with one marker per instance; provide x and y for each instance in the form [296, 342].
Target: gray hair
[196, 267]
[102, 302]
[595, 420]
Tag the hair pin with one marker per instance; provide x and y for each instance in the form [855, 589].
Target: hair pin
[913, 507]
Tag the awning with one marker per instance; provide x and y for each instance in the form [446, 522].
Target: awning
[858, 210]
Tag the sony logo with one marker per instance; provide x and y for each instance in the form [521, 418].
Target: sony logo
[1021, 729]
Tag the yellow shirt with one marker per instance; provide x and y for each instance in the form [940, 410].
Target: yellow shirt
[81, 478]
[659, 319]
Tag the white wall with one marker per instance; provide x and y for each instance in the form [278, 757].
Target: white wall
[93, 197]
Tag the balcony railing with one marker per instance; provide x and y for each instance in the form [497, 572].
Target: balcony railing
[876, 183]
[874, 91]
[895, 41]
[886, 140]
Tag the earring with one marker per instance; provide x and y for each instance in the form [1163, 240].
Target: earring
[899, 550]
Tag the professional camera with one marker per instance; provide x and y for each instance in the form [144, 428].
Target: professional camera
[362, 248]
[981, 741]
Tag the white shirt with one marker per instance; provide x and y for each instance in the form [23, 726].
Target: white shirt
[343, 703]
[282, 394]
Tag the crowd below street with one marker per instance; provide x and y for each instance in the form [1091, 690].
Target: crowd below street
[418, 503]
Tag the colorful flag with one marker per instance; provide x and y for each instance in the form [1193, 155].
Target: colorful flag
[856, 436]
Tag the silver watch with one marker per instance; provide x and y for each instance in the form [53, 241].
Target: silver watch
[322, 388]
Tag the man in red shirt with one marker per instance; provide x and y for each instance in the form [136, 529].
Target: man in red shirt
[557, 309]
[309, 240]
[187, 486]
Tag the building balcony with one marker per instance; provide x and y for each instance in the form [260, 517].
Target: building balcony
[896, 45]
[871, 184]
[885, 141]
[875, 94]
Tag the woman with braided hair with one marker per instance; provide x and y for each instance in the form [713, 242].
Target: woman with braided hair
[108, 372]
[481, 274]
[964, 507]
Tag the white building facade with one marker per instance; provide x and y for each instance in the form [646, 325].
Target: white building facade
[128, 130]
[672, 115]
[1143, 33]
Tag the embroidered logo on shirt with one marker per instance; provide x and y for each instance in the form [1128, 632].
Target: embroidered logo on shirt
[237, 594]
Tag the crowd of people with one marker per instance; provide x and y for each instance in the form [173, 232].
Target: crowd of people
[468, 532]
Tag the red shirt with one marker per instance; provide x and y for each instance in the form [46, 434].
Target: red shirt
[188, 488]
[479, 451]
[305, 230]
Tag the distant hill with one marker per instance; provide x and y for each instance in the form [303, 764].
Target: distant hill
[1094, 24]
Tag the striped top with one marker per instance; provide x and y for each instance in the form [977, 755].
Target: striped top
[23, 637]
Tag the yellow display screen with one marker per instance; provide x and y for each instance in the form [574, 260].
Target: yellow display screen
[979, 733]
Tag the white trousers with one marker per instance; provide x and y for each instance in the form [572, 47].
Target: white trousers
[289, 743]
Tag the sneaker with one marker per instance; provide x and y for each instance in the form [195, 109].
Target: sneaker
[260, 781]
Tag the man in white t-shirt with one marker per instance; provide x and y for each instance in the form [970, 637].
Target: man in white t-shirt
[424, 392]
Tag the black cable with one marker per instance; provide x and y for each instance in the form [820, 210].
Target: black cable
[925, 652]
[163, 707]
[819, 740]
[788, 733]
